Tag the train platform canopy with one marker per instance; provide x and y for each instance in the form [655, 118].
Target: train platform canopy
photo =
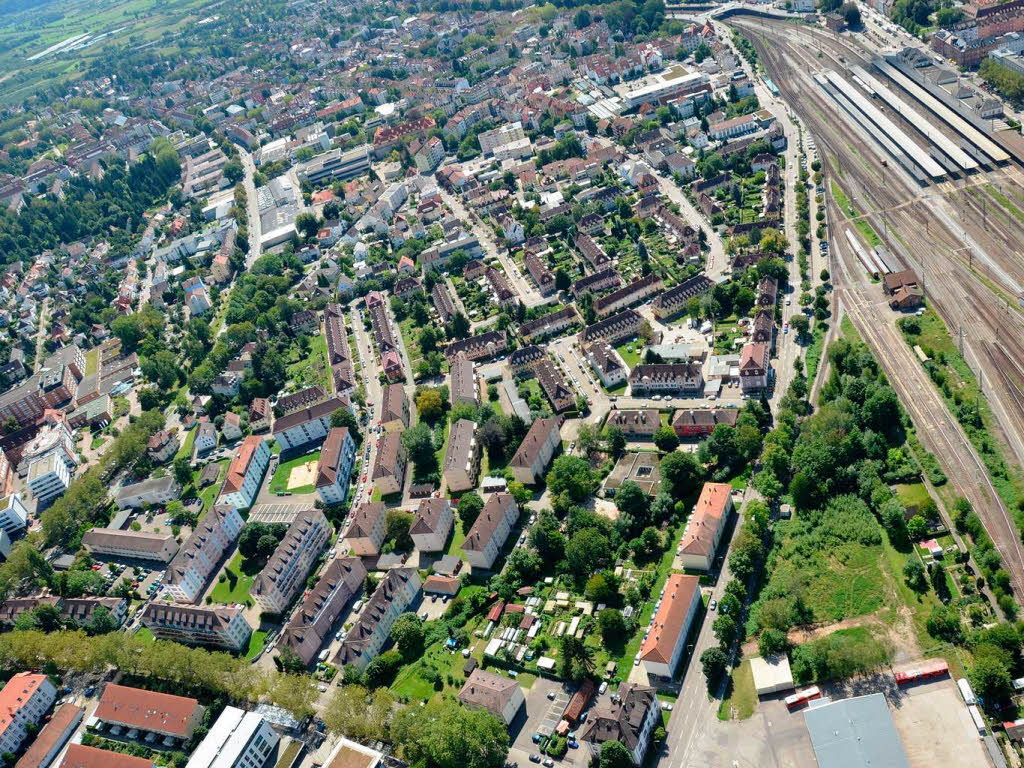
[771, 674]
[855, 733]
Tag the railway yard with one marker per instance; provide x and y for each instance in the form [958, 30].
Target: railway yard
[944, 200]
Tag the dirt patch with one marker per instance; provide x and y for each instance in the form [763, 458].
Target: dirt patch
[302, 475]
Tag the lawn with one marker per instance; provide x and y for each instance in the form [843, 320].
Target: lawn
[410, 685]
[815, 349]
[97, 442]
[912, 494]
[279, 482]
[288, 756]
[312, 369]
[629, 351]
[741, 696]
[209, 494]
[239, 576]
[458, 536]
[92, 361]
[257, 641]
[144, 634]
[185, 451]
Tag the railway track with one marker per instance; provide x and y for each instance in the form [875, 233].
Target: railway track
[958, 259]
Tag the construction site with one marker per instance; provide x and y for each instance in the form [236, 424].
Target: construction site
[919, 188]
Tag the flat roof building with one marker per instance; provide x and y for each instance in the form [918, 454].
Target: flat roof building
[238, 739]
[855, 733]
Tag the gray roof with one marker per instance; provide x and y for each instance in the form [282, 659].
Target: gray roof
[855, 733]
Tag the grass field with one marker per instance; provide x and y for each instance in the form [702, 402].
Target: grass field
[144, 634]
[235, 588]
[312, 369]
[629, 351]
[92, 361]
[257, 641]
[209, 494]
[185, 451]
[410, 685]
[741, 696]
[279, 482]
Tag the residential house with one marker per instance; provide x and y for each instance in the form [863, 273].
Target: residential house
[162, 446]
[704, 527]
[394, 408]
[490, 530]
[634, 293]
[701, 423]
[432, 524]
[232, 426]
[607, 364]
[537, 450]
[674, 300]
[206, 438]
[499, 695]
[367, 528]
[665, 641]
[245, 473]
[171, 719]
[658, 378]
[462, 456]
[479, 347]
[630, 718]
[462, 384]
[624, 325]
[553, 384]
[635, 425]
[337, 456]
[755, 367]
[389, 469]
[548, 325]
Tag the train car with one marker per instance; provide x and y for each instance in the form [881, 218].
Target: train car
[886, 260]
[772, 88]
[801, 698]
[927, 671]
[865, 261]
[966, 692]
[979, 721]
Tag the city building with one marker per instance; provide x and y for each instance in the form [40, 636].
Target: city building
[537, 450]
[630, 719]
[666, 640]
[286, 570]
[335, 164]
[399, 591]
[238, 739]
[635, 425]
[310, 625]
[214, 536]
[130, 544]
[679, 378]
[701, 423]
[490, 530]
[704, 527]
[23, 701]
[389, 468]
[607, 364]
[367, 528]
[152, 491]
[337, 456]
[171, 719]
[13, 514]
[162, 446]
[755, 367]
[499, 695]
[432, 524]
[461, 458]
[48, 478]
[213, 626]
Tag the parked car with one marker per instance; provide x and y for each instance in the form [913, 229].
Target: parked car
[712, 605]
[534, 758]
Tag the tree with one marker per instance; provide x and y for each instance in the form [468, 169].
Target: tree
[296, 693]
[308, 224]
[343, 417]
[800, 325]
[582, 18]
[182, 471]
[429, 405]
[914, 575]
[633, 501]
[666, 440]
[408, 635]
[266, 544]
[917, 527]
[547, 539]
[572, 475]
[248, 542]
[602, 587]
[587, 551]
[470, 506]
[681, 472]
[771, 642]
[990, 679]
[615, 440]
[615, 755]
[724, 628]
[851, 13]
[357, 714]
[713, 662]
[102, 622]
[577, 658]
[944, 623]
[444, 734]
[233, 171]
[419, 443]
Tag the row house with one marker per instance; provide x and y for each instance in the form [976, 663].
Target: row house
[522, 360]
[624, 325]
[542, 276]
[682, 378]
[634, 293]
[443, 303]
[209, 626]
[592, 251]
[479, 347]
[555, 388]
[503, 292]
[674, 300]
[339, 355]
[596, 282]
[548, 325]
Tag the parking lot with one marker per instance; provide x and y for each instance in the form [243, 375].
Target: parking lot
[275, 513]
[935, 726]
[542, 716]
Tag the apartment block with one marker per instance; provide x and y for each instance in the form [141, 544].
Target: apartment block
[48, 478]
[13, 514]
[245, 473]
[367, 528]
[190, 570]
[536, 451]
[462, 456]
[490, 531]
[432, 524]
[213, 626]
[399, 591]
[389, 468]
[286, 571]
[311, 624]
[130, 544]
[308, 426]
[238, 739]
[171, 719]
